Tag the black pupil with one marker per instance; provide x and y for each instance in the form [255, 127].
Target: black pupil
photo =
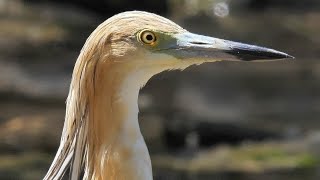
[149, 37]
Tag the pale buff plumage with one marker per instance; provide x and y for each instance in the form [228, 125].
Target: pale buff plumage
[101, 135]
[95, 113]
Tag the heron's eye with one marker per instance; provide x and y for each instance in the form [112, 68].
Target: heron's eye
[148, 37]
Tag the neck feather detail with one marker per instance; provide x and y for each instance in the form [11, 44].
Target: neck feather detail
[101, 134]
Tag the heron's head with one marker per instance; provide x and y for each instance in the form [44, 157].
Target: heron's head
[149, 41]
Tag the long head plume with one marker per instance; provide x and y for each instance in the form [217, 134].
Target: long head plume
[116, 61]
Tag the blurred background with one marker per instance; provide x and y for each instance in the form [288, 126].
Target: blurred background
[224, 120]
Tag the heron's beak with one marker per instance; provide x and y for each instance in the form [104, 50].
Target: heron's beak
[194, 46]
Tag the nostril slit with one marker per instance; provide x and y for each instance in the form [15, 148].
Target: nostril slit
[199, 43]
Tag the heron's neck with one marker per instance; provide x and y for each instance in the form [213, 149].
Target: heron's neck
[116, 146]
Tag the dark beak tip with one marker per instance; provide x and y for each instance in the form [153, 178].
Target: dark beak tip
[255, 53]
[281, 55]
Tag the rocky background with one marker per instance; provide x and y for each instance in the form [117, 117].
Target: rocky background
[225, 120]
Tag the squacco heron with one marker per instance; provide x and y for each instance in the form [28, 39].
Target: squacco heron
[101, 138]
